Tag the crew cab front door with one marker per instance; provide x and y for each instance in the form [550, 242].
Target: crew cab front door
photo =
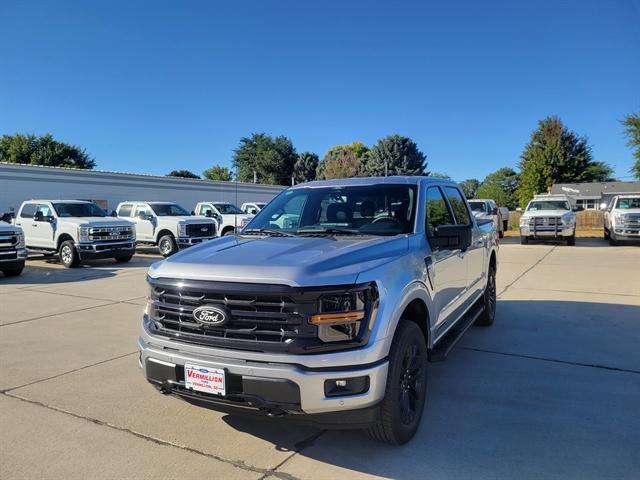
[446, 268]
[37, 222]
[145, 223]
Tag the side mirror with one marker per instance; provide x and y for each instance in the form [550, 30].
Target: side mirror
[208, 213]
[142, 216]
[6, 217]
[452, 237]
[192, 212]
[577, 209]
[494, 211]
[38, 217]
[603, 206]
[114, 213]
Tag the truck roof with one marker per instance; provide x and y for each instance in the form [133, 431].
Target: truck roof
[346, 182]
[150, 203]
[56, 201]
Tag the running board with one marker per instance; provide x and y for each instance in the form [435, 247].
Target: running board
[446, 344]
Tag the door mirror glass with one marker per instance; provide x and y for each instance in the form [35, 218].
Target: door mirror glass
[208, 213]
[452, 237]
[38, 217]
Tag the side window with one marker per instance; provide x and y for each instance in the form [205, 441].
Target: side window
[458, 205]
[45, 210]
[437, 211]
[125, 210]
[142, 209]
[204, 209]
[28, 211]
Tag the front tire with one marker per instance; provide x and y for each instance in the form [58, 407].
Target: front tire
[606, 234]
[613, 241]
[13, 272]
[571, 241]
[524, 240]
[228, 231]
[123, 258]
[406, 388]
[167, 246]
[68, 255]
[489, 300]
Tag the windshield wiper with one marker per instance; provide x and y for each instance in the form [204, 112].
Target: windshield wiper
[267, 231]
[330, 231]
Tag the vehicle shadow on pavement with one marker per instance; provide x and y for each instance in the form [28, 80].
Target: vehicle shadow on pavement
[580, 242]
[549, 391]
[48, 270]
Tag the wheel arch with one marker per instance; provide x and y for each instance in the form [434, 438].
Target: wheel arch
[63, 237]
[162, 232]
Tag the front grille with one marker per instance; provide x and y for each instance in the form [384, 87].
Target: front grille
[631, 220]
[8, 241]
[262, 317]
[104, 234]
[200, 230]
[545, 224]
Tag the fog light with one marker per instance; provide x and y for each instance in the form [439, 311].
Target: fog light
[346, 386]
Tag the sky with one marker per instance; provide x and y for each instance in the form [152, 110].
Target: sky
[149, 87]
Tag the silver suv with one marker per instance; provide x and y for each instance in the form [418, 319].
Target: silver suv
[332, 318]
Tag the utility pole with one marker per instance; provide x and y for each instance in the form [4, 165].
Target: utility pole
[386, 167]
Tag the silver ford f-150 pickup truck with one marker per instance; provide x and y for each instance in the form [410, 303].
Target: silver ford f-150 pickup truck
[332, 320]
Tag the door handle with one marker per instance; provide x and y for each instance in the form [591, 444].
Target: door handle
[34, 224]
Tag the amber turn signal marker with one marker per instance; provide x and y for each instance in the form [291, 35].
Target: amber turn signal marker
[337, 318]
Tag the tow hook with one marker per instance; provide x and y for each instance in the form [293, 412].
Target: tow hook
[275, 412]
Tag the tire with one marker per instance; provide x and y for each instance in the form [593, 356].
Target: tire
[167, 245]
[489, 300]
[500, 234]
[405, 393]
[228, 231]
[613, 241]
[605, 234]
[68, 255]
[13, 272]
[524, 240]
[505, 225]
[571, 241]
[123, 259]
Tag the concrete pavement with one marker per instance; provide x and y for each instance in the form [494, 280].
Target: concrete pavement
[551, 390]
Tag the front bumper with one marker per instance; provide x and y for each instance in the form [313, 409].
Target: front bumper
[95, 250]
[185, 242]
[631, 232]
[16, 256]
[563, 232]
[257, 385]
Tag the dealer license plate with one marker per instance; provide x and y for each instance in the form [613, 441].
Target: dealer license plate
[204, 379]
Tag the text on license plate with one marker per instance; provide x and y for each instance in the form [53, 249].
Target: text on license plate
[204, 379]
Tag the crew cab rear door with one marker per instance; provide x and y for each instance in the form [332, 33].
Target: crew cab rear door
[447, 269]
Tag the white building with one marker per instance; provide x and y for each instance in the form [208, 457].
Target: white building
[25, 182]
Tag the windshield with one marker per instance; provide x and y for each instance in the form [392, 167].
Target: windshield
[477, 207]
[169, 210]
[227, 208]
[626, 203]
[538, 205]
[361, 210]
[78, 210]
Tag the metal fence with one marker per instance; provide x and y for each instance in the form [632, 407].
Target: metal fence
[586, 220]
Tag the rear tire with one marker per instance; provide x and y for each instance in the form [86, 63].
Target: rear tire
[13, 272]
[123, 259]
[489, 300]
[524, 240]
[68, 255]
[406, 388]
[167, 246]
[613, 241]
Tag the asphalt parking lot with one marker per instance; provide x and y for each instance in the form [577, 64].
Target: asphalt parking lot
[551, 390]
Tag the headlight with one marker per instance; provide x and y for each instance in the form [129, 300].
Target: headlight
[524, 221]
[568, 219]
[83, 233]
[20, 237]
[618, 218]
[182, 229]
[343, 316]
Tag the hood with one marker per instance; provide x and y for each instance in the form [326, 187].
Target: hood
[293, 261]
[188, 220]
[239, 216]
[546, 213]
[97, 221]
[624, 211]
[6, 228]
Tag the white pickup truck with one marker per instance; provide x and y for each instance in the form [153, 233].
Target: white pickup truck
[622, 219]
[229, 217]
[12, 249]
[75, 230]
[549, 217]
[487, 209]
[167, 225]
[252, 207]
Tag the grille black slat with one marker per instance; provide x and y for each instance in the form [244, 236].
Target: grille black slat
[97, 234]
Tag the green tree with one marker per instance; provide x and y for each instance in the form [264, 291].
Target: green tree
[343, 161]
[182, 174]
[272, 159]
[555, 154]
[44, 150]
[218, 173]
[397, 155]
[304, 170]
[501, 186]
[632, 131]
[470, 187]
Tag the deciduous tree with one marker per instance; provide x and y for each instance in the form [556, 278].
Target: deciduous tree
[272, 159]
[500, 186]
[343, 161]
[470, 187]
[632, 131]
[218, 173]
[44, 150]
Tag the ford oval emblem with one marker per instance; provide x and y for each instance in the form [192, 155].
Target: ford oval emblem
[211, 315]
